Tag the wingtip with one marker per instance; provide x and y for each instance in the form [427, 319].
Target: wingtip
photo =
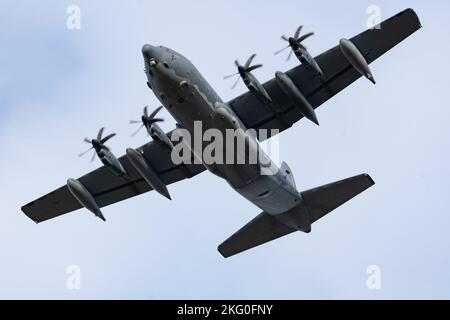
[414, 13]
[222, 252]
[28, 214]
[369, 178]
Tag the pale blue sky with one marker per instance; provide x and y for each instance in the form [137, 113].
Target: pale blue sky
[58, 86]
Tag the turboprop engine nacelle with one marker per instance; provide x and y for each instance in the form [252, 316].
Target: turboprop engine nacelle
[159, 135]
[356, 59]
[110, 161]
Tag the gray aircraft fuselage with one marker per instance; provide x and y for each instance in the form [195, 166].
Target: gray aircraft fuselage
[188, 97]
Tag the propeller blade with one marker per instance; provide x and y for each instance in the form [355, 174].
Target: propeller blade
[146, 111]
[306, 36]
[139, 129]
[100, 133]
[153, 114]
[83, 153]
[256, 66]
[249, 61]
[231, 76]
[87, 140]
[135, 121]
[236, 83]
[236, 63]
[297, 32]
[152, 121]
[109, 136]
[93, 156]
[279, 51]
[283, 37]
[290, 55]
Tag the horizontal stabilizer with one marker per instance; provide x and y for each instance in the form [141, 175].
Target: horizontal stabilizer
[316, 203]
[262, 229]
[325, 199]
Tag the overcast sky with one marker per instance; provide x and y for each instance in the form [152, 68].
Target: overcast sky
[59, 85]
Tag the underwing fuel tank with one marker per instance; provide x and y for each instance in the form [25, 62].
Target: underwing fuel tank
[297, 98]
[146, 171]
[84, 197]
[356, 59]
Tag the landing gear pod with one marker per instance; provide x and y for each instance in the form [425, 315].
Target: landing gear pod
[297, 98]
[223, 113]
[150, 176]
[356, 59]
[84, 197]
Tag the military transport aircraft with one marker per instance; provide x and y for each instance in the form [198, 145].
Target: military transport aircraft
[275, 104]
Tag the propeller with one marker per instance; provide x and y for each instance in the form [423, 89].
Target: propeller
[243, 70]
[147, 120]
[295, 42]
[97, 143]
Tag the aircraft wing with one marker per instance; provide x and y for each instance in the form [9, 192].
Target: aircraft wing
[338, 72]
[107, 188]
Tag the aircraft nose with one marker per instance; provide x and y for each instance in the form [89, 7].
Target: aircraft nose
[148, 51]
